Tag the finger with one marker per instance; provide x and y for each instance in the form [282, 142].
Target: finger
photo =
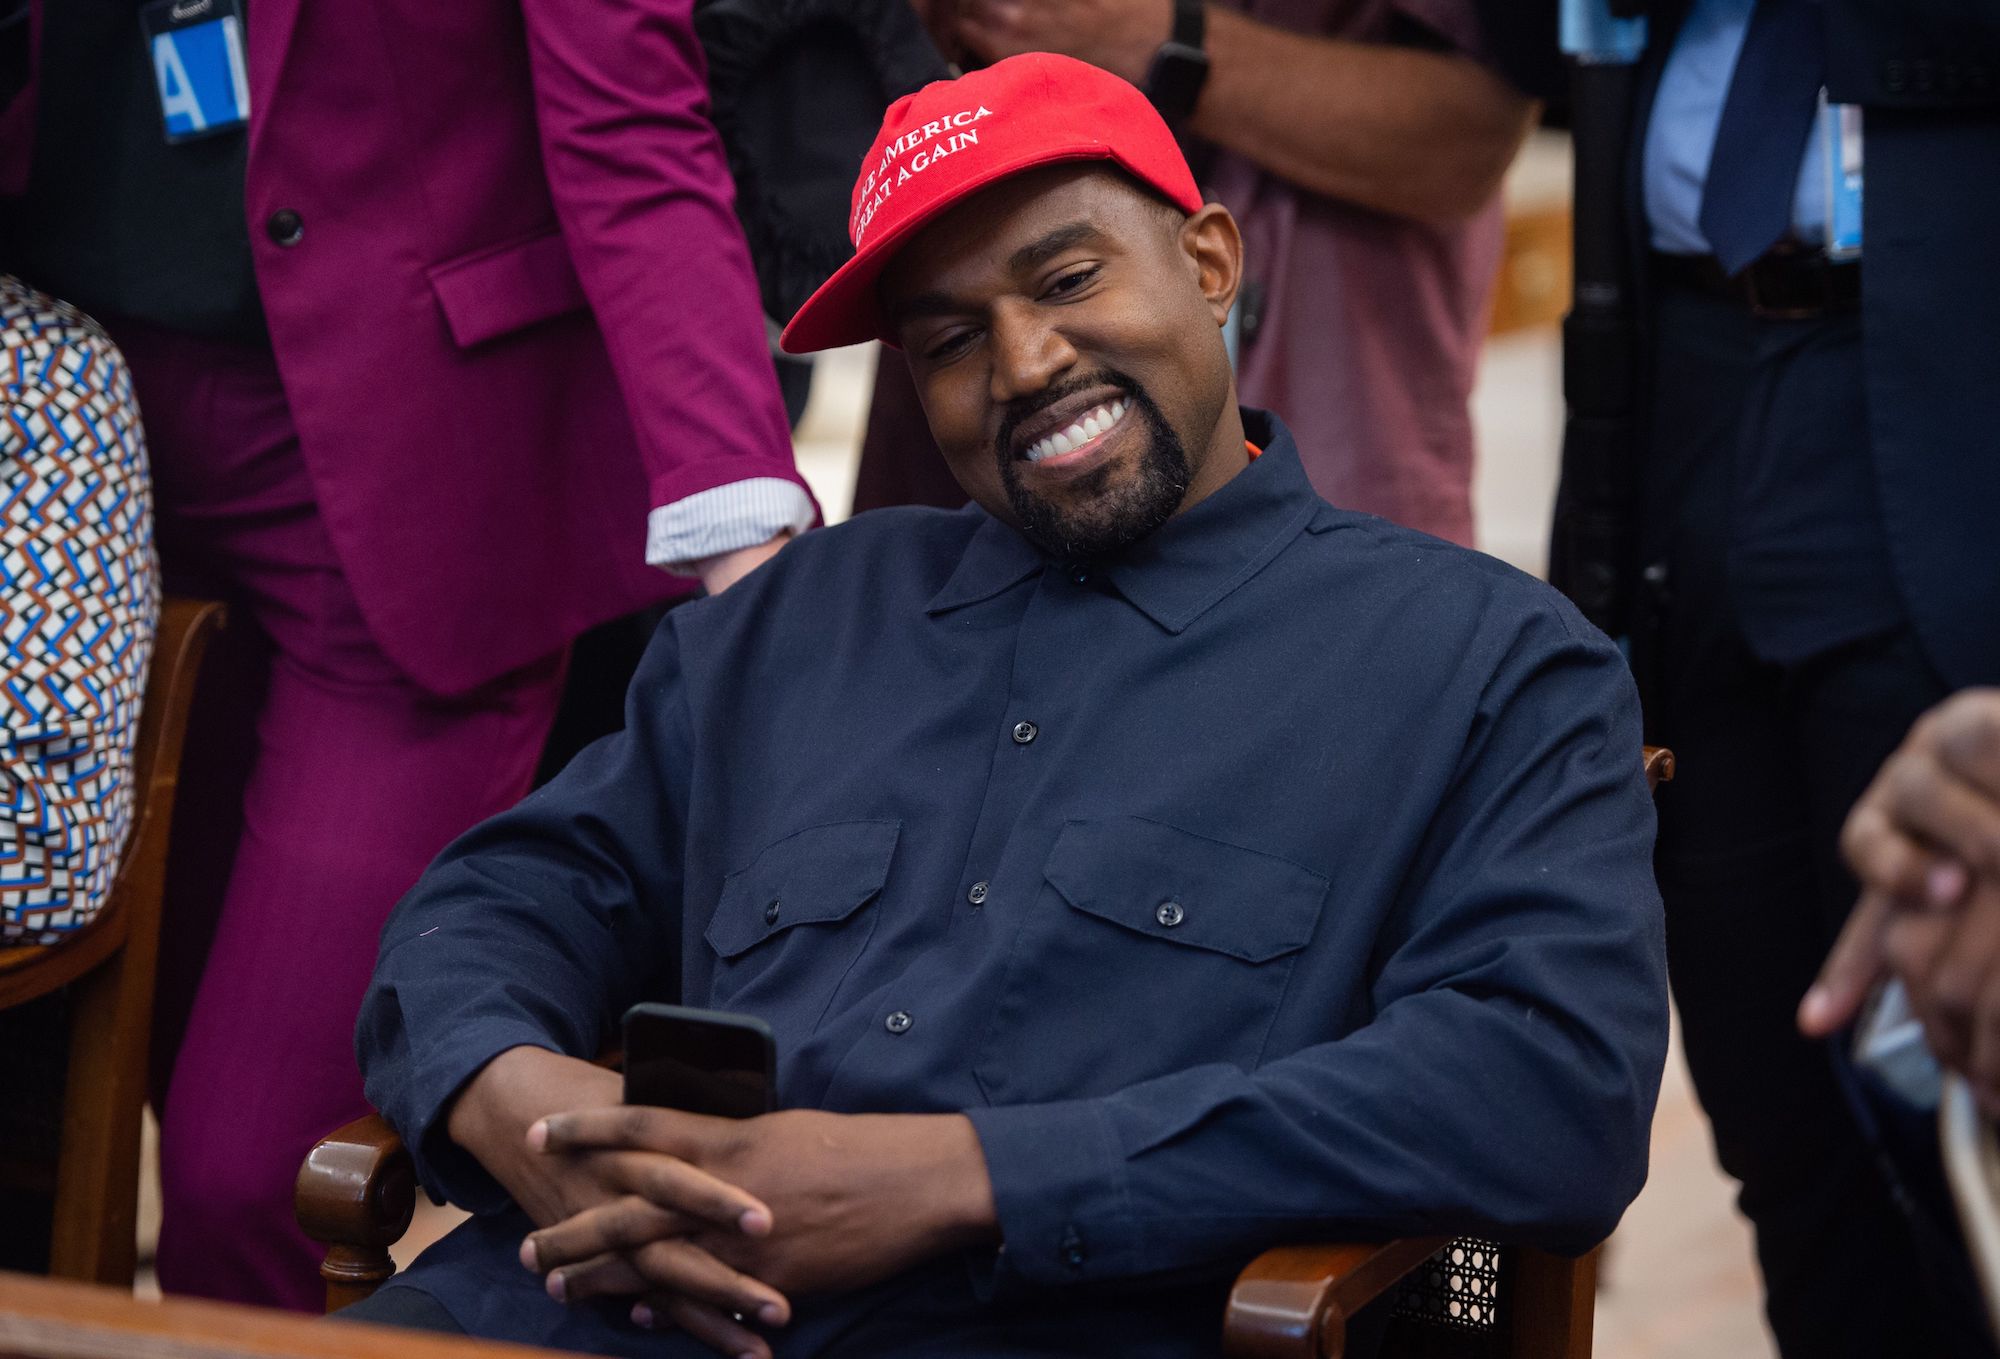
[605, 1276]
[1915, 945]
[1937, 805]
[1959, 977]
[1851, 968]
[663, 1141]
[673, 1266]
[624, 1224]
[671, 1183]
[618, 1127]
[1967, 735]
[1882, 855]
[712, 1326]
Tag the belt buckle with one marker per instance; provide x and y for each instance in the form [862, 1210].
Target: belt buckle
[1795, 310]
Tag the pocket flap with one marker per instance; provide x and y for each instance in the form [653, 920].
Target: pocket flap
[496, 291]
[812, 877]
[1186, 888]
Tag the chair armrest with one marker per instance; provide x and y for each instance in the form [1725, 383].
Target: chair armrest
[356, 1194]
[1295, 1302]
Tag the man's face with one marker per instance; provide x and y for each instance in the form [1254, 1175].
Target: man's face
[1063, 328]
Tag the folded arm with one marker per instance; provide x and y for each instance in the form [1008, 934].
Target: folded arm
[1404, 130]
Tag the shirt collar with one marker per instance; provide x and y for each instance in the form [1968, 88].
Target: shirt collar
[1192, 562]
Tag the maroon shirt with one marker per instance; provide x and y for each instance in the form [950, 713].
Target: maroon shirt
[1371, 323]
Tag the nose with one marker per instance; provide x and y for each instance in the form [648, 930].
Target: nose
[1029, 352]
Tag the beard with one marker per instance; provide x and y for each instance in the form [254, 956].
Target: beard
[1098, 518]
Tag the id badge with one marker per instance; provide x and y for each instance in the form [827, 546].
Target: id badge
[1840, 126]
[197, 52]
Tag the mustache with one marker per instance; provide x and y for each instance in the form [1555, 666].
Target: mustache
[1023, 409]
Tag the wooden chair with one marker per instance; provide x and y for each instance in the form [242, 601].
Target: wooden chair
[356, 1194]
[111, 964]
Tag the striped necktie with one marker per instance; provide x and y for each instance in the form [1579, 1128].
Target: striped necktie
[1747, 204]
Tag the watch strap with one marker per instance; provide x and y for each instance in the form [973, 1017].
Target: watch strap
[1180, 67]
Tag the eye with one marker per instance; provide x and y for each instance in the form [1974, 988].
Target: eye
[1072, 280]
[951, 345]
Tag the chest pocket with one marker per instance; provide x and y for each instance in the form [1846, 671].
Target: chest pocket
[1149, 949]
[789, 925]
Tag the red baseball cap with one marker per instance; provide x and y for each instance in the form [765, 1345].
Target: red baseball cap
[953, 138]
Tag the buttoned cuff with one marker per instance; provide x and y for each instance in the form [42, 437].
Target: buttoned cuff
[1059, 1189]
[724, 519]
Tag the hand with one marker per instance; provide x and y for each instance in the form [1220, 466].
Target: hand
[1931, 818]
[1119, 35]
[853, 1199]
[724, 569]
[491, 1119]
[1926, 825]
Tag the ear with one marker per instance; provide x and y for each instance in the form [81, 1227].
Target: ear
[1211, 240]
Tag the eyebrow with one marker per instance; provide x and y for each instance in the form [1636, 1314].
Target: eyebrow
[1032, 255]
[1050, 244]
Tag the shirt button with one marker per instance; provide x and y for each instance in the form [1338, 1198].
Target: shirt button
[285, 227]
[1080, 575]
[977, 896]
[771, 911]
[1025, 732]
[898, 1022]
[1073, 1253]
[1170, 914]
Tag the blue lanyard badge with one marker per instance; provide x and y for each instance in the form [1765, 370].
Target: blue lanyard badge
[197, 52]
[1840, 135]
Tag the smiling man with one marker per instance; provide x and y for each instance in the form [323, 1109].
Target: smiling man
[1145, 865]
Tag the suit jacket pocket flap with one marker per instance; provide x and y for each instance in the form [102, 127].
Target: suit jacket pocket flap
[1185, 888]
[812, 877]
[501, 289]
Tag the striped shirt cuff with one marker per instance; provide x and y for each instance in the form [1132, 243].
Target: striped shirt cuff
[724, 519]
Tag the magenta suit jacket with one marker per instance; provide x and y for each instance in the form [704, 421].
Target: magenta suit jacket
[519, 313]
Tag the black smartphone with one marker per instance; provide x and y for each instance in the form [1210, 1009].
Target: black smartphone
[703, 1061]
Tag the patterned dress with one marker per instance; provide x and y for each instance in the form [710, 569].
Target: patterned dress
[79, 599]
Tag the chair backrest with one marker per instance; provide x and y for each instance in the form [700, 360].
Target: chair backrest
[110, 962]
[31, 970]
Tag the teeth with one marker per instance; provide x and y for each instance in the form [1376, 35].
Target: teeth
[1083, 431]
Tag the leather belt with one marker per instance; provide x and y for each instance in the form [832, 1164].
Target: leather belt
[1787, 284]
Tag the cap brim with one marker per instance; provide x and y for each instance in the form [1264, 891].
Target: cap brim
[843, 310]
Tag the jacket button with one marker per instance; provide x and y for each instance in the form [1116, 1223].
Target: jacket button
[771, 911]
[977, 896]
[285, 227]
[1025, 732]
[1170, 914]
[898, 1022]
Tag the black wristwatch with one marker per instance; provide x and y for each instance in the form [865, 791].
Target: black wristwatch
[1180, 67]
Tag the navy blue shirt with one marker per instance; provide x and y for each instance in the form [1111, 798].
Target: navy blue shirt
[1288, 875]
